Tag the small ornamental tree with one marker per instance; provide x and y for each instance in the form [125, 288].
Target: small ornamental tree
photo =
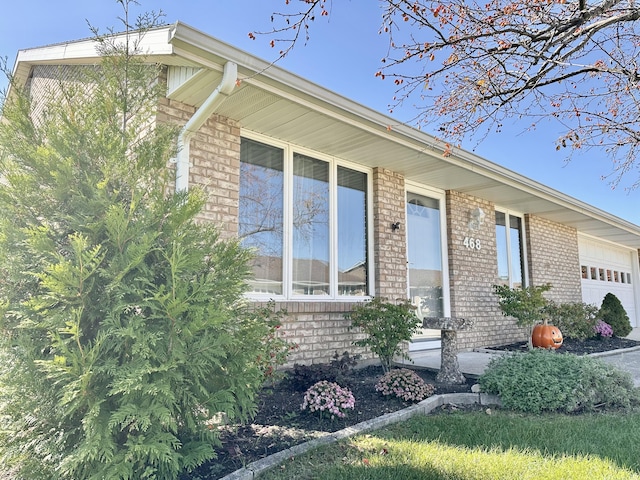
[386, 326]
[527, 305]
[123, 330]
[613, 313]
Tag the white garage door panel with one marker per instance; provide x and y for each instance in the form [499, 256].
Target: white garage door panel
[606, 263]
[594, 294]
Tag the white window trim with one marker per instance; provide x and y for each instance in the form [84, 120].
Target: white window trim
[439, 195]
[288, 152]
[525, 256]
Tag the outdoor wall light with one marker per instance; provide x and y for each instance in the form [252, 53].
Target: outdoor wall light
[395, 226]
[476, 216]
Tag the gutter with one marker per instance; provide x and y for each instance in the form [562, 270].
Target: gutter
[219, 95]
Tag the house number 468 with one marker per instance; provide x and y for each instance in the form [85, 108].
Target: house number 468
[472, 243]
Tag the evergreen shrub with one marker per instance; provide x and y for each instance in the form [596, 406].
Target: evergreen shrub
[124, 332]
[613, 313]
[542, 380]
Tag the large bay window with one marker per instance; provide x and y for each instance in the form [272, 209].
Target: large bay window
[306, 220]
[510, 249]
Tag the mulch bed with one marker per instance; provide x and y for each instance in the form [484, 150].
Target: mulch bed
[280, 424]
[585, 347]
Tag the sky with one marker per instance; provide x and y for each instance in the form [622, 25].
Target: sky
[343, 54]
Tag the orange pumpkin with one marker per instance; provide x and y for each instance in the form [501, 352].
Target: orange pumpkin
[546, 336]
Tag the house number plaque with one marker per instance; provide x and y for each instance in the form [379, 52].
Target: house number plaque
[472, 243]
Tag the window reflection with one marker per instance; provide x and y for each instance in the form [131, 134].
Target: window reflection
[306, 220]
[425, 254]
[260, 223]
[510, 251]
[352, 232]
[310, 226]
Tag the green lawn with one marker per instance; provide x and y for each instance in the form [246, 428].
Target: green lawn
[465, 446]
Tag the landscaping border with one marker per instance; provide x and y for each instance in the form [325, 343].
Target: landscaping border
[250, 471]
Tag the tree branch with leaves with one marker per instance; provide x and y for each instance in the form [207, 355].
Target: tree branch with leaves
[468, 67]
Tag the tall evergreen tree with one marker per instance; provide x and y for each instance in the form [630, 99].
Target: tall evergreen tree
[124, 333]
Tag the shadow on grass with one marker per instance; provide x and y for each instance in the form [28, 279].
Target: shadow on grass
[481, 446]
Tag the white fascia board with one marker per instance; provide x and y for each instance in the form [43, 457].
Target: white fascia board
[154, 42]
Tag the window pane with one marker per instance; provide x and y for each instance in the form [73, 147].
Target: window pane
[310, 269]
[509, 246]
[260, 224]
[425, 254]
[352, 232]
[515, 237]
[501, 246]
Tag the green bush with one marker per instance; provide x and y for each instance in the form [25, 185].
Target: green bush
[541, 380]
[613, 313]
[386, 325]
[526, 304]
[575, 320]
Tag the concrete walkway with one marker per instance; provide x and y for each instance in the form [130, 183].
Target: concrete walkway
[473, 364]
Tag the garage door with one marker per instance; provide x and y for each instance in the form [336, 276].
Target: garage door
[608, 268]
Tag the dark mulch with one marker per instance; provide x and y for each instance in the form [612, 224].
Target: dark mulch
[585, 347]
[280, 424]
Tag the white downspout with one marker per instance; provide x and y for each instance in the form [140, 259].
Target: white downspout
[219, 95]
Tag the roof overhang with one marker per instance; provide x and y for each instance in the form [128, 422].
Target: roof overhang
[272, 101]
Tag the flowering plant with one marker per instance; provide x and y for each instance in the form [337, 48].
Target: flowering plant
[603, 329]
[328, 396]
[404, 384]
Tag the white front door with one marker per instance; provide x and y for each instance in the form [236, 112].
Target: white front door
[427, 277]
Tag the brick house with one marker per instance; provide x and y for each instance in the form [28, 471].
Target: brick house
[339, 207]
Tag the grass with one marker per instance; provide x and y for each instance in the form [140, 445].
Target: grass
[477, 445]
